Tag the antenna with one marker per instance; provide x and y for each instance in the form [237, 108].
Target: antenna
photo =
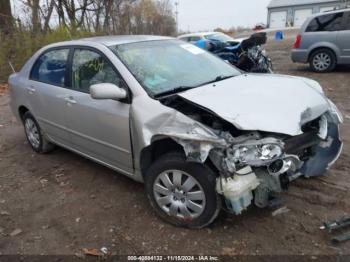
[13, 69]
[177, 15]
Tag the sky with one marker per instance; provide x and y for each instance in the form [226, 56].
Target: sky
[201, 15]
[206, 15]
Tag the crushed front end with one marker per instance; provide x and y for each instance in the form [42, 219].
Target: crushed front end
[257, 148]
[258, 164]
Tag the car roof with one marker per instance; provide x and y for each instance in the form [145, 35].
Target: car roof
[115, 40]
[331, 12]
[198, 34]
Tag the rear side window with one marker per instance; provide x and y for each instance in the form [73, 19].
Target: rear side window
[51, 67]
[331, 22]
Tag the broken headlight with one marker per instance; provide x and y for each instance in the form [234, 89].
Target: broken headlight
[256, 155]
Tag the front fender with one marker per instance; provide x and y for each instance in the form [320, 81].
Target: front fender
[159, 122]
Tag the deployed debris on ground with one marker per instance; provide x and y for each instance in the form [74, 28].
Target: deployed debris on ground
[338, 224]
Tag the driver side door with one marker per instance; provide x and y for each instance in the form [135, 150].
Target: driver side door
[98, 129]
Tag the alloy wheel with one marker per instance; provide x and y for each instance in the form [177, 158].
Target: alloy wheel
[322, 61]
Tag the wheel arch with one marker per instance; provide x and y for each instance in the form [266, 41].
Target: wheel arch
[22, 110]
[329, 47]
[163, 146]
[156, 149]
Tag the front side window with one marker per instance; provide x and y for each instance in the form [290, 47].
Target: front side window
[51, 67]
[186, 39]
[170, 65]
[331, 22]
[195, 38]
[89, 68]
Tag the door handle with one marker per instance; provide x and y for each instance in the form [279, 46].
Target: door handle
[31, 90]
[70, 100]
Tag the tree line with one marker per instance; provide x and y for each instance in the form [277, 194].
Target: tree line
[40, 22]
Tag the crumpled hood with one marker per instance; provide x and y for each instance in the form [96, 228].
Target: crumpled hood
[271, 103]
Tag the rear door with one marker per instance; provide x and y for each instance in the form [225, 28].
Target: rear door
[344, 40]
[98, 128]
[46, 92]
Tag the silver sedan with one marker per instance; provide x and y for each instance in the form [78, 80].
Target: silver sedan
[193, 128]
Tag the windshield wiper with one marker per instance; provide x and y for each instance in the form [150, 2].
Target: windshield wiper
[185, 88]
[174, 90]
[217, 79]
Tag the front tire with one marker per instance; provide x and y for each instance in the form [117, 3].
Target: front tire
[34, 135]
[323, 61]
[182, 193]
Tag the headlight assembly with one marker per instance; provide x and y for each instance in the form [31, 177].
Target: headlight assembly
[257, 155]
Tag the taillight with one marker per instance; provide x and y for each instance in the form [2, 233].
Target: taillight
[297, 41]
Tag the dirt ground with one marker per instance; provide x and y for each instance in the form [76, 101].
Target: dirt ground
[60, 203]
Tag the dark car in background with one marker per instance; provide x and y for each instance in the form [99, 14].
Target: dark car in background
[324, 41]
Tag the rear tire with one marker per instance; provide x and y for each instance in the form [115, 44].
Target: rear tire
[323, 61]
[187, 197]
[35, 136]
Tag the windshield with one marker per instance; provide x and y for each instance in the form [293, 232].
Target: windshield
[219, 37]
[170, 65]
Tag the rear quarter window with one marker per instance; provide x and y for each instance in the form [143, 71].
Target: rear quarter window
[347, 21]
[326, 23]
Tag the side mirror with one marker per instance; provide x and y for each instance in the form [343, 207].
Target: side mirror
[107, 91]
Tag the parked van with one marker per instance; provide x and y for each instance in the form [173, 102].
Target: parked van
[324, 41]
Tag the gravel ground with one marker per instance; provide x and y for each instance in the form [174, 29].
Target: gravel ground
[60, 203]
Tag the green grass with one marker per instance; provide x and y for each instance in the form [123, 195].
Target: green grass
[21, 45]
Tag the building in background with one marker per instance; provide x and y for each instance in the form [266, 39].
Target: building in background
[293, 13]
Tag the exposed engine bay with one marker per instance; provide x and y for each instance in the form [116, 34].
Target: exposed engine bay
[254, 164]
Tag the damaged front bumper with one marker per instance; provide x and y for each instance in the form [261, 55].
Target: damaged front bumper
[249, 174]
